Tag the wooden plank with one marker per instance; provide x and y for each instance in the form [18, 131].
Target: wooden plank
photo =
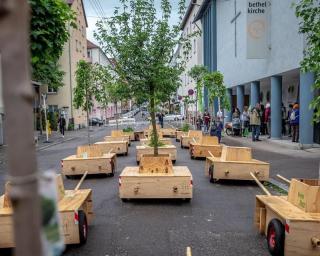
[155, 164]
[236, 154]
[304, 196]
[156, 185]
[262, 221]
[117, 133]
[87, 151]
[189, 253]
[165, 141]
[198, 150]
[146, 150]
[60, 187]
[81, 181]
[6, 232]
[260, 184]
[283, 179]
[168, 132]
[118, 147]
[209, 140]
[122, 138]
[130, 134]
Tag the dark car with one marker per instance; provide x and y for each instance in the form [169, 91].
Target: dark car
[95, 121]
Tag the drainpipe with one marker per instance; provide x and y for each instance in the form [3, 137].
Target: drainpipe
[70, 75]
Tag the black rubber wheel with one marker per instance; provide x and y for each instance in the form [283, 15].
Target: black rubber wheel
[229, 131]
[211, 169]
[138, 162]
[124, 200]
[187, 200]
[83, 227]
[275, 237]
[69, 177]
[174, 161]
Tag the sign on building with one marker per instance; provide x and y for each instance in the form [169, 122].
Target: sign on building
[258, 12]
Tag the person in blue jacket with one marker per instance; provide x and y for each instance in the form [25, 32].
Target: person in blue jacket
[294, 122]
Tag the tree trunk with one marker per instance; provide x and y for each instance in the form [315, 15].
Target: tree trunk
[117, 115]
[154, 124]
[88, 121]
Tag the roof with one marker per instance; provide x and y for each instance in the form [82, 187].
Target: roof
[187, 15]
[202, 10]
[70, 2]
[91, 45]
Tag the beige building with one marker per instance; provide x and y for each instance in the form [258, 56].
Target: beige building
[75, 50]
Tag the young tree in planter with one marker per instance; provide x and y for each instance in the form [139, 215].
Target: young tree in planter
[142, 44]
[216, 88]
[85, 90]
[197, 73]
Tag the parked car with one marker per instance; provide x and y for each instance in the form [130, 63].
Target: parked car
[95, 121]
[173, 117]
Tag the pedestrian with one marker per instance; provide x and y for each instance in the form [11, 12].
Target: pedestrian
[199, 122]
[245, 118]
[294, 121]
[206, 119]
[267, 119]
[255, 122]
[236, 122]
[62, 125]
[217, 128]
[288, 120]
[160, 117]
[284, 117]
[263, 127]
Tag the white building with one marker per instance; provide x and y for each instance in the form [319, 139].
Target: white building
[195, 55]
[97, 56]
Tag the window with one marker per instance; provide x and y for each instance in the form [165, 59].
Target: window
[52, 108]
[83, 52]
[52, 90]
[76, 45]
[89, 54]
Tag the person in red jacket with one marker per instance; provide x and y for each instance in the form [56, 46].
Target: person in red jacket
[267, 118]
[206, 119]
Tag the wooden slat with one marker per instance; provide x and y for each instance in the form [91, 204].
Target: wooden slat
[260, 184]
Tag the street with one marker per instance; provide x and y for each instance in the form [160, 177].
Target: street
[217, 221]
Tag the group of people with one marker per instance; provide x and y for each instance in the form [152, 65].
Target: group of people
[258, 120]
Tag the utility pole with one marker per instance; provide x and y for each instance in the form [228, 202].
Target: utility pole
[18, 98]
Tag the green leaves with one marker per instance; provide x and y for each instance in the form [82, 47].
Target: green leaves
[49, 33]
[308, 11]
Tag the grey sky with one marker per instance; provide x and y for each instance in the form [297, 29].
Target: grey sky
[108, 8]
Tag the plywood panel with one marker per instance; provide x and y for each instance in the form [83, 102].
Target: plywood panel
[197, 150]
[6, 232]
[167, 149]
[117, 147]
[168, 132]
[209, 140]
[155, 164]
[166, 141]
[236, 154]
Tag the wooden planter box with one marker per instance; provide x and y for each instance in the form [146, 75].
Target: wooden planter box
[70, 204]
[179, 134]
[138, 135]
[89, 158]
[131, 135]
[298, 214]
[202, 148]
[118, 135]
[156, 178]
[166, 141]
[168, 132]
[236, 163]
[117, 147]
[167, 149]
[192, 136]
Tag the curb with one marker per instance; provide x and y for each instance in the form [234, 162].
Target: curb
[54, 144]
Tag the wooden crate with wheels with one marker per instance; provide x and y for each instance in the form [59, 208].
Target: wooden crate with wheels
[76, 213]
[193, 135]
[166, 141]
[155, 177]
[118, 135]
[291, 223]
[207, 146]
[166, 149]
[179, 134]
[168, 132]
[236, 163]
[117, 147]
[89, 158]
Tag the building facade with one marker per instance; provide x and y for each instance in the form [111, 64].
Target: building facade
[275, 77]
[97, 56]
[193, 58]
[61, 100]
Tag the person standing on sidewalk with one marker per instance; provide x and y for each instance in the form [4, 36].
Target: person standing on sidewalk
[289, 121]
[294, 121]
[267, 119]
[62, 125]
[245, 118]
[255, 122]
[206, 119]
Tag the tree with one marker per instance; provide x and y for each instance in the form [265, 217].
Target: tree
[49, 33]
[142, 43]
[216, 88]
[197, 73]
[309, 13]
[85, 89]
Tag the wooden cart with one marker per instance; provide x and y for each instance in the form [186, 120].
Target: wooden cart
[168, 132]
[117, 147]
[291, 223]
[118, 135]
[130, 134]
[166, 149]
[205, 147]
[76, 213]
[236, 163]
[156, 178]
[138, 135]
[166, 141]
[192, 135]
[89, 158]
[179, 134]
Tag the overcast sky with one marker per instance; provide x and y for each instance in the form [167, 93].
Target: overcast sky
[108, 8]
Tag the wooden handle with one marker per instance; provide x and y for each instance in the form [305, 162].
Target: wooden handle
[194, 140]
[260, 184]
[110, 150]
[189, 253]
[210, 153]
[283, 179]
[81, 181]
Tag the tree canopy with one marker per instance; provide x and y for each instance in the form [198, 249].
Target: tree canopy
[309, 13]
[49, 33]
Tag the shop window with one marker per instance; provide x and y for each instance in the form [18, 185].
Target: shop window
[52, 90]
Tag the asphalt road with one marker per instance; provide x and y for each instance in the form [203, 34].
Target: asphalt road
[218, 220]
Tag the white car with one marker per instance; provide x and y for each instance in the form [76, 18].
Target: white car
[172, 117]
